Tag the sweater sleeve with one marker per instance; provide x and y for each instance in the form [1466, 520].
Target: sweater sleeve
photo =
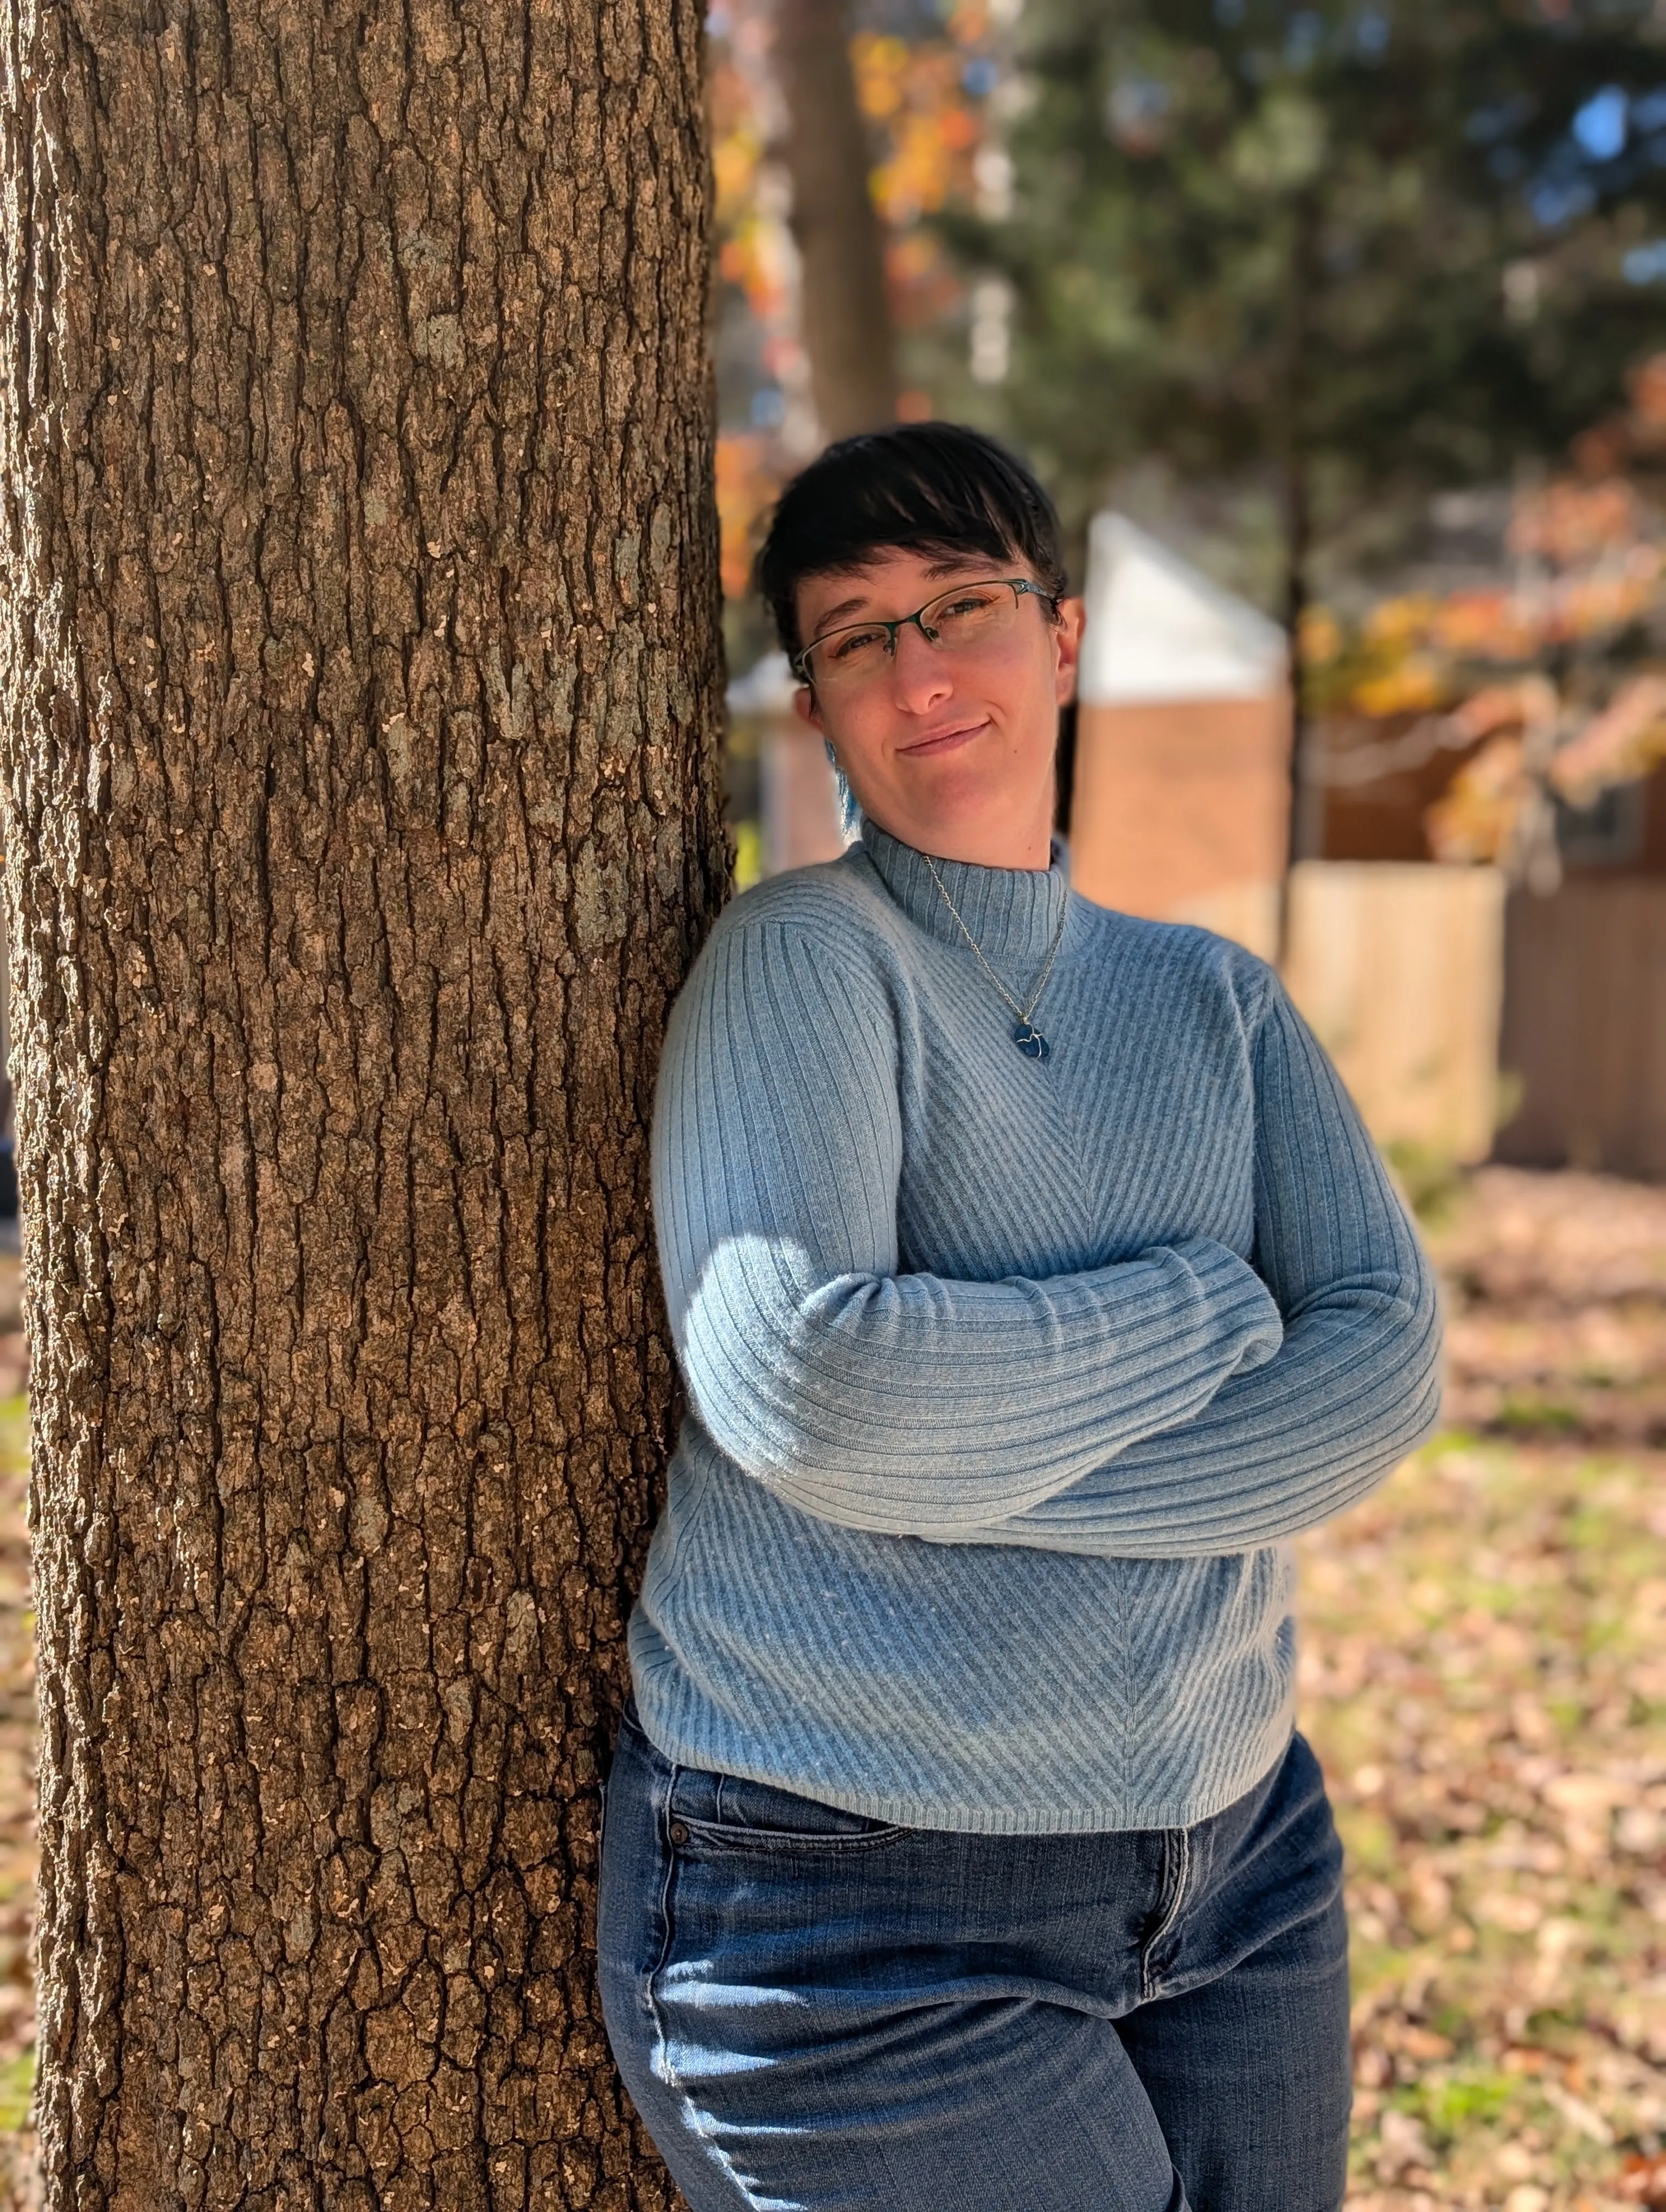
[901, 1403]
[1355, 1385]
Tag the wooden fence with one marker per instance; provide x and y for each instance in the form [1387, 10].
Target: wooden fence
[1397, 966]
[1584, 1026]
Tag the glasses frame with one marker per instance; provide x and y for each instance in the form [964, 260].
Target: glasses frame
[1021, 586]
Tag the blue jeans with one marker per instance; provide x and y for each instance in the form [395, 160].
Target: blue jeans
[814, 2010]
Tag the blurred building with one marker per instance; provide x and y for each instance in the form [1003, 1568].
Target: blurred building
[1180, 799]
[791, 785]
[1180, 810]
[1468, 1012]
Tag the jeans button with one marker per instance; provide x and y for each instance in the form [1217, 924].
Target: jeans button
[678, 1833]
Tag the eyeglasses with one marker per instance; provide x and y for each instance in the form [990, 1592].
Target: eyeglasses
[960, 620]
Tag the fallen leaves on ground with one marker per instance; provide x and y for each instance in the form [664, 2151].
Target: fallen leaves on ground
[1484, 1675]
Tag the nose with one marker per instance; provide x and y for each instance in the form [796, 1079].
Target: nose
[920, 675]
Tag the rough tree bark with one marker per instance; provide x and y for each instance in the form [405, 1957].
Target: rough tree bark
[845, 317]
[358, 687]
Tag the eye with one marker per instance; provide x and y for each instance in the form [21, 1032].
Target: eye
[847, 644]
[969, 608]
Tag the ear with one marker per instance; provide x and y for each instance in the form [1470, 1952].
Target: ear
[805, 706]
[1067, 639]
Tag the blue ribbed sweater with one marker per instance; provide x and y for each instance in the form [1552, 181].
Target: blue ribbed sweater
[1006, 1381]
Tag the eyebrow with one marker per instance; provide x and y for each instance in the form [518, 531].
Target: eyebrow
[936, 570]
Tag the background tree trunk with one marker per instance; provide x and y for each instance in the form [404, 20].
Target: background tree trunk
[359, 673]
[1304, 829]
[845, 317]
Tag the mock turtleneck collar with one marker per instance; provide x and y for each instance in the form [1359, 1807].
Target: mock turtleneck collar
[1012, 912]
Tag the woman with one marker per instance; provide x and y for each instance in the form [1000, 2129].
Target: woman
[1033, 1281]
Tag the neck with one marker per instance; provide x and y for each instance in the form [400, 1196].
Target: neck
[1020, 844]
[1011, 912]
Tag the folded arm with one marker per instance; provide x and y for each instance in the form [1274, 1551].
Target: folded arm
[903, 1403]
[1354, 1386]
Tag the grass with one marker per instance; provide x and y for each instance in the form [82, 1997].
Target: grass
[17, 2090]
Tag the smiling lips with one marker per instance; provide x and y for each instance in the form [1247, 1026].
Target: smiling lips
[943, 741]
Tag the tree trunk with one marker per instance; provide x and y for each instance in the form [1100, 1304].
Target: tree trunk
[1305, 830]
[360, 680]
[1306, 796]
[845, 317]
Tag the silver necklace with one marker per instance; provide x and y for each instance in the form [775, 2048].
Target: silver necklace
[1026, 1037]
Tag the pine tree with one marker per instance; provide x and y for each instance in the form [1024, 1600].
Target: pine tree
[1347, 252]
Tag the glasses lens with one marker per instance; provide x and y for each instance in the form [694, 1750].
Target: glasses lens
[971, 614]
[847, 657]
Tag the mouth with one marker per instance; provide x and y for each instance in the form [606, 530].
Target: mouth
[944, 741]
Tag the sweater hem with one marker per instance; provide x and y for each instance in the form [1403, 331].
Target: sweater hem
[986, 1820]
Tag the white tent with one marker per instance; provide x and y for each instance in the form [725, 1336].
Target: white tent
[1159, 628]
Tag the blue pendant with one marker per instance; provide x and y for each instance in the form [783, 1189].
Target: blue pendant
[1031, 1042]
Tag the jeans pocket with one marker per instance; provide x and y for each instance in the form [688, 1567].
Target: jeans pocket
[728, 1811]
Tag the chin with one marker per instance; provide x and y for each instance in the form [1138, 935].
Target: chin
[977, 816]
[969, 801]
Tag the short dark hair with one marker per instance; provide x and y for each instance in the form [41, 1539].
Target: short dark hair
[920, 487]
